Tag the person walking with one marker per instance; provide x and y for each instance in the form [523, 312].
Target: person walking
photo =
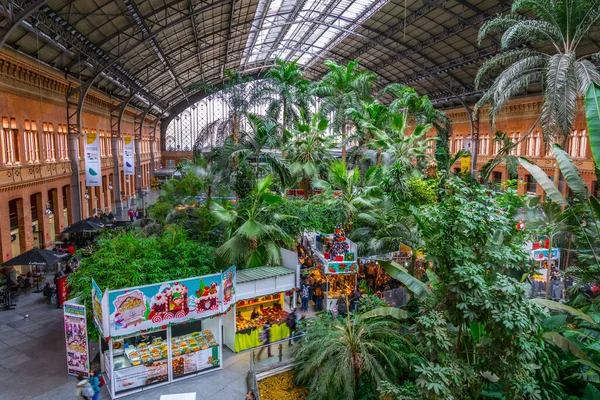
[83, 390]
[291, 324]
[305, 295]
[265, 338]
[94, 381]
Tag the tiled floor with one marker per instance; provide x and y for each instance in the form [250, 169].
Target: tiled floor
[33, 362]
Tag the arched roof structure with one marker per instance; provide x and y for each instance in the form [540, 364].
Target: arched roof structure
[155, 50]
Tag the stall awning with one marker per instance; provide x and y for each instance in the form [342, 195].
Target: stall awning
[256, 274]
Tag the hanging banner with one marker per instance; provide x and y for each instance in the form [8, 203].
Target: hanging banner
[93, 166]
[76, 339]
[153, 306]
[62, 290]
[97, 305]
[228, 284]
[542, 254]
[128, 161]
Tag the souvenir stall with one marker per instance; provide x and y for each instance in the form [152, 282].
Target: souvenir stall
[157, 334]
[540, 278]
[260, 296]
[336, 257]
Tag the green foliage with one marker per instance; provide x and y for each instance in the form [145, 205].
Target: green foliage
[421, 191]
[311, 215]
[126, 259]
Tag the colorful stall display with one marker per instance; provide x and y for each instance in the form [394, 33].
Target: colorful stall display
[97, 305]
[228, 288]
[253, 314]
[335, 254]
[152, 306]
[76, 339]
[195, 352]
[141, 375]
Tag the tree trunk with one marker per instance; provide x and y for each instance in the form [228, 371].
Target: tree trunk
[548, 268]
[235, 137]
[379, 157]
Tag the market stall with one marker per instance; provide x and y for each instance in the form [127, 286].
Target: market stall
[260, 296]
[336, 257]
[156, 334]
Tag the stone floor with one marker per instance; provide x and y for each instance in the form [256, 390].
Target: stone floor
[33, 361]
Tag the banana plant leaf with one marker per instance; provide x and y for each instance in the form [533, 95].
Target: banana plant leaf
[541, 178]
[592, 115]
[553, 305]
[418, 288]
[565, 344]
[570, 172]
[385, 312]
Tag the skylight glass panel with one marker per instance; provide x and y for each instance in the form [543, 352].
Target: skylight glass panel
[303, 30]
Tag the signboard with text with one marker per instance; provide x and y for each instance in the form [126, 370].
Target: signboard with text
[76, 339]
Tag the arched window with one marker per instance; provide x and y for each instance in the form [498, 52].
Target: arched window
[582, 144]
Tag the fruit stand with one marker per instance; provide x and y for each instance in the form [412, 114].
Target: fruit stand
[260, 296]
[157, 334]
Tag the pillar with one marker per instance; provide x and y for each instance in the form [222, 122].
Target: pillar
[5, 241]
[76, 198]
[25, 223]
[116, 183]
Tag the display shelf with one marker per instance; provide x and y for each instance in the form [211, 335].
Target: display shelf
[258, 303]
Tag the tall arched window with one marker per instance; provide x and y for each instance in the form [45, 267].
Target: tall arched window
[582, 144]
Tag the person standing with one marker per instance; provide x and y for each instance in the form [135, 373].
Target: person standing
[131, 214]
[354, 300]
[265, 338]
[250, 395]
[318, 290]
[305, 294]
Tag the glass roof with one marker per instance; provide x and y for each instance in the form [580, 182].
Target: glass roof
[303, 29]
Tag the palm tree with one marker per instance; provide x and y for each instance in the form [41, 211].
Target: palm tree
[370, 119]
[343, 87]
[288, 91]
[335, 354]
[542, 39]
[354, 191]
[255, 149]
[253, 239]
[310, 150]
[397, 147]
[420, 110]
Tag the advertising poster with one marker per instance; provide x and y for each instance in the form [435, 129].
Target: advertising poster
[228, 284]
[153, 306]
[196, 361]
[93, 167]
[542, 254]
[128, 161]
[76, 339]
[97, 305]
[141, 375]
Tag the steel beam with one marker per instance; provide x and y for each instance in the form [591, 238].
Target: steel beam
[26, 10]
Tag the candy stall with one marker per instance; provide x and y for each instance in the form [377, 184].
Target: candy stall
[260, 298]
[157, 334]
[336, 256]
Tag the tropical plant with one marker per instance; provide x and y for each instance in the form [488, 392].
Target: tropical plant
[310, 150]
[502, 156]
[542, 39]
[255, 149]
[347, 186]
[420, 110]
[337, 354]
[343, 87]
[252, 235]
[371, 120]
[288, 92]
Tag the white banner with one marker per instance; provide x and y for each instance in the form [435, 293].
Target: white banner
[93, 166]
[128, 161]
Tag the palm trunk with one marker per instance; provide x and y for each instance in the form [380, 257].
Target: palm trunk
[284, 127]
[344, 140]
[235, 136]
[548, 269]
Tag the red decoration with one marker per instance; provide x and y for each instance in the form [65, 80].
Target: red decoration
[62, 290]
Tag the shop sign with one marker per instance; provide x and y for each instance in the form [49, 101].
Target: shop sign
[152, 306]
[228, 284]
[76, 339]
[542, 254]
[93, 168]
[128, 151]
[196, 361]
[340, 267]
[62, 290]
